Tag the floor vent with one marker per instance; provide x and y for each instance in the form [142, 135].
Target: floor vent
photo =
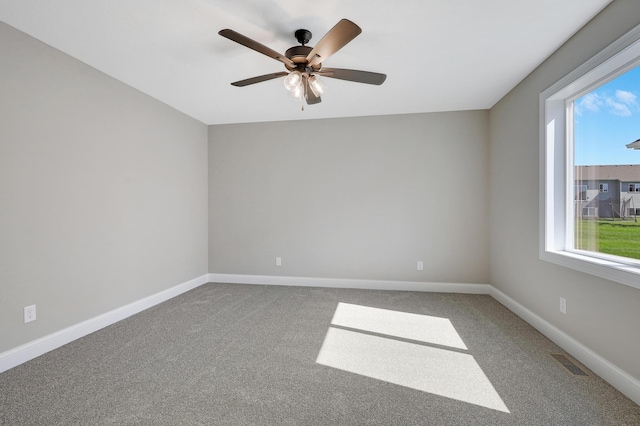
[569, 365]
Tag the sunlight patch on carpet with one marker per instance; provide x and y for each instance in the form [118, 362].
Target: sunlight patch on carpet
[439, 371]
[423, 328]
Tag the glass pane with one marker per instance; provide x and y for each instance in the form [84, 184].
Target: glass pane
[607, 164]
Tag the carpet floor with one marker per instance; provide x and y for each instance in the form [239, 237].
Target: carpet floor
[226, 354]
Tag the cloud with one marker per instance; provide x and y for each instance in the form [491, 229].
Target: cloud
[627, 97]
[623, 103]
[592, 102]
[617, 108]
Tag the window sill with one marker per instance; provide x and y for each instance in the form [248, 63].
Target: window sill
[607, 269]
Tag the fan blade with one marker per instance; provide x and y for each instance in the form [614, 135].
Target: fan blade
[309, 96]
[337, 37]
[353, 75]
[252, 44]
[259, 79]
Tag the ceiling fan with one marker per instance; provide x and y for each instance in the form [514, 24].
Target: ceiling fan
[304, 63]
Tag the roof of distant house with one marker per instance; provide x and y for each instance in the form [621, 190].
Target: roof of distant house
[634, 145]
[623, 172]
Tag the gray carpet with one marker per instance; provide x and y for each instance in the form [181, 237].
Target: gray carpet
[268, 355]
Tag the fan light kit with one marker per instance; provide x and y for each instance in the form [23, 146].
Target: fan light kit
[304, 63]
[294, 83]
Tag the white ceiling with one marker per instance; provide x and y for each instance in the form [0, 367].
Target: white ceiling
[439, 55]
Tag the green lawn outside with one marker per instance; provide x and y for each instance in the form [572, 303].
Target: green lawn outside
[621, 238]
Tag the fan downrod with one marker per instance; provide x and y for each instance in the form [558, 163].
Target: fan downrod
[303, 36]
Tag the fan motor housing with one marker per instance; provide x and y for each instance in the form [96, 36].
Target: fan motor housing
[303, 36]
[298, 55]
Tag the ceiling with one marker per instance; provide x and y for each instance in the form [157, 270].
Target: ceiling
[439, 55]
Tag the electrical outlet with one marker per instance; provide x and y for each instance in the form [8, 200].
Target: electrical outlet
[563, 305]
[278, 261]
[29, 313]
[420, 265]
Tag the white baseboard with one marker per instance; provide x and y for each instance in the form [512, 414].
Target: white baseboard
[619, 379]
[35, 348]
[350, 283]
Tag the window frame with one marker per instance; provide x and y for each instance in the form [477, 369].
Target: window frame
[557, 200]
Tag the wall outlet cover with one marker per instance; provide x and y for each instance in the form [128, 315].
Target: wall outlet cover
[29, 313]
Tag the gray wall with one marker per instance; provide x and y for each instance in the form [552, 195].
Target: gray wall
[357, 198]
[102, 191]
[602, 315]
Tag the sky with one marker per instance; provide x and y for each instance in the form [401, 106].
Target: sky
[606, 119]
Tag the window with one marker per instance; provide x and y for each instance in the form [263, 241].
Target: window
[580, 193]
[572, 143]
[590, 212]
